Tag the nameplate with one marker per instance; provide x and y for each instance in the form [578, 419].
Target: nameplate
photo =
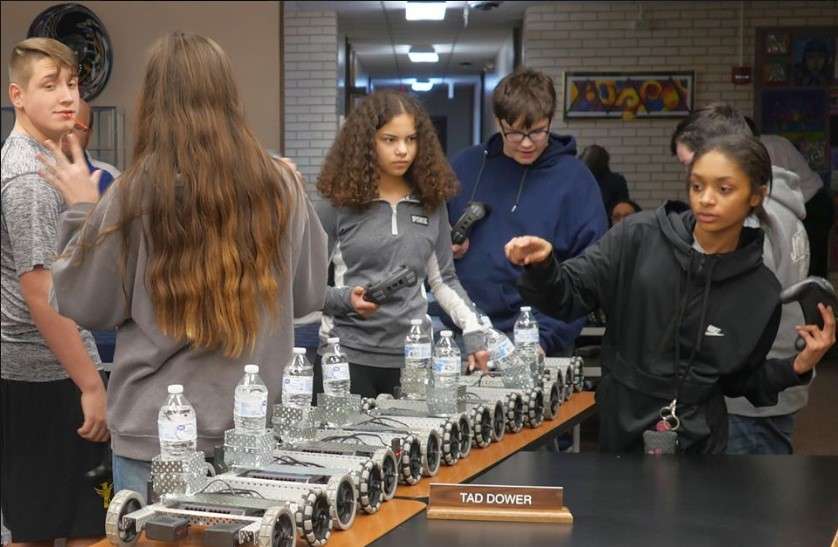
[498, 503]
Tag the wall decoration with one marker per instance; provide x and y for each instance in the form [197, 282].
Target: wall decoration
[777, 43]
[797, 93]
[628, 95]
[78, 27]
[813, 59]
[776, 73]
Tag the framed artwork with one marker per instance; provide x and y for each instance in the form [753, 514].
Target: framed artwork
[796, 93]
[777, 43]
[776, 73]
[628, 95]
[813, 61]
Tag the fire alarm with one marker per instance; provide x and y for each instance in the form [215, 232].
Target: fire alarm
[740, 75]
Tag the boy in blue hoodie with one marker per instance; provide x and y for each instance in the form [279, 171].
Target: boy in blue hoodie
[532, 183]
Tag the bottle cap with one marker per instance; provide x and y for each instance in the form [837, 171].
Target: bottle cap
[446, 333]
[251, 369]
[416, 322]
[175, 389]
[333, 340]
[526, 308]
[299, 351]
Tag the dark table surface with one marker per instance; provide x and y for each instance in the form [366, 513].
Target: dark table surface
[646, 501]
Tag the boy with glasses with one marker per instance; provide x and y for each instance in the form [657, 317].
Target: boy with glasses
[533, 183]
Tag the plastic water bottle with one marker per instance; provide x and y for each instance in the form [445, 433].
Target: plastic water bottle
[504, 356]
[486, 323]
[250, 409]
[526, 340]
[428, 328]
[417, 360]
[298, 381]
[445, 376]
[177, 426]
[335, 370]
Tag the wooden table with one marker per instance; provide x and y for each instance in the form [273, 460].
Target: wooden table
[573, 411]
[366, 529]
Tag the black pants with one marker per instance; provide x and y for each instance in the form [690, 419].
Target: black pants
[818, 220]
[366, 381]
[45, 494]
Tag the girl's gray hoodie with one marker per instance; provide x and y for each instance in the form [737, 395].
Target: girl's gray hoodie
[94, 294]
[365, 246]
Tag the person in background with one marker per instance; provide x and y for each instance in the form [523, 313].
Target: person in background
[819, 209]
[622, 209]
[534, 183]
[202, 253]
[612, 186]
[83, 130]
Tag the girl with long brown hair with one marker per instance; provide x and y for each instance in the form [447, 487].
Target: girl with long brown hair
[201, 253]
[384, 183]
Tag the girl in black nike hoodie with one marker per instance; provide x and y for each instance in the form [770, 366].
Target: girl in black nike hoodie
[692, 311]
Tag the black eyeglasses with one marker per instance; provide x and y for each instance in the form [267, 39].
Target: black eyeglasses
[536, 136]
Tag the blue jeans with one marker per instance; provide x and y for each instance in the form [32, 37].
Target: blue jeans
[758, 436]
[131, 474]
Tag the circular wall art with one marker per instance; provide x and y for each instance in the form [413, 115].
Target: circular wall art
[80, 29]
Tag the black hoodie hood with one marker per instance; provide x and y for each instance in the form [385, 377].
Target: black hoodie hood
[678, 231]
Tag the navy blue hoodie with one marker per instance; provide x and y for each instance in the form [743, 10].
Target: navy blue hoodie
[556, 198]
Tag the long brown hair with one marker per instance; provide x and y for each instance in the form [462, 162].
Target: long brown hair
[350, 172]
[217, 203]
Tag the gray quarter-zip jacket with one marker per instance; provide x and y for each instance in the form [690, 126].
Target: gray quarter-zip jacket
[365, 246]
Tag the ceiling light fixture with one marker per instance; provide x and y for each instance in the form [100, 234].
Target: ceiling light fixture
[423, 54]
[424, 11]
[422, 85]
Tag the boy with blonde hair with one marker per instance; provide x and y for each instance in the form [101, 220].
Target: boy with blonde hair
[53, 397]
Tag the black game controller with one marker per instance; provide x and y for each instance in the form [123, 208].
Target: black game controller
[809, 293]
[474, 212]
[382, 290]
[102, 472]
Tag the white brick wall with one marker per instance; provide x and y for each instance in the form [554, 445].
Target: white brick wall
[699, 36]
[310, 114]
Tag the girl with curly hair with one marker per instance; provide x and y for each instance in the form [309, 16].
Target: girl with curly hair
[384, 183]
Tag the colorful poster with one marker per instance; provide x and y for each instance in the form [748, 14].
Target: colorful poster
[628, 95]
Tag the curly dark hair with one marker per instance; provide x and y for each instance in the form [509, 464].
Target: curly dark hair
[350, 172]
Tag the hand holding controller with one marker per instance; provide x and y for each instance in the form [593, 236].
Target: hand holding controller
[474, 212]
[809, 293]
[380, 291]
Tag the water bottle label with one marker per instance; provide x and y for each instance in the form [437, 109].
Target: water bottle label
[447, 365]
[526, 336]
[502, 350]
[252, 407]
[298, 385]
[336, 372]
[177, 431]
[417, 351]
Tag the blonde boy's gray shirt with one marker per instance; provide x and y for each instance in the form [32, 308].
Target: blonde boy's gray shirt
[28, 240]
